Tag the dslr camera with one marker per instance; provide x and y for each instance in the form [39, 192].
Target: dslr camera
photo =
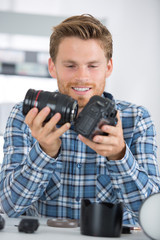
[97, 112]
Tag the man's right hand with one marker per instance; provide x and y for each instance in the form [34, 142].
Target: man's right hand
[47, 134]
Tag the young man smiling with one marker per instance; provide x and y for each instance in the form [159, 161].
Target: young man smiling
[47, 170]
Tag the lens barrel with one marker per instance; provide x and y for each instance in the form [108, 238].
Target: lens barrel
[57, 102]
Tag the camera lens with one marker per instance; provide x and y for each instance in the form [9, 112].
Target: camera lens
[57, 102]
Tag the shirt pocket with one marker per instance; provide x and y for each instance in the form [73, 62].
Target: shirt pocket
[53, 189]
[104, 189]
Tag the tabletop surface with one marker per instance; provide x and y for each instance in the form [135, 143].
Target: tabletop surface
[45, 232]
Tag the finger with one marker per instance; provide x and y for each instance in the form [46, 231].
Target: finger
[107, 140]
[109, 130]
[59, 131]
[86, 141]
[95, 146]
[51, 124]
[38, 121]
[119, 123]
[63, 129]
[31, 116]
[113, 129]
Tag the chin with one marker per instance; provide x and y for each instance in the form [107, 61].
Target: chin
[82, 103]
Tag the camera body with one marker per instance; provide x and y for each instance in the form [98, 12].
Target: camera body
[98, 112]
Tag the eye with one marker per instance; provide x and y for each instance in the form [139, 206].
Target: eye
[70, 66]
[92, 66]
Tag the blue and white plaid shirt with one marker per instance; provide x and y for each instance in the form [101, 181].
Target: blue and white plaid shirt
[33, 182]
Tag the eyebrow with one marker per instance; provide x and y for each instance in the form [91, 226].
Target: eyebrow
[68, 61]
[74, 62]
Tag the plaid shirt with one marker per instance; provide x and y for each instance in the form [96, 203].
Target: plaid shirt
[33, 182]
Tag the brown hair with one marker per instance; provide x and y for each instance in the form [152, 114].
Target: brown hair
[84, 27]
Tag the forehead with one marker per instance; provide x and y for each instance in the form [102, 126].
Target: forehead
[74, 46]
[72, 41]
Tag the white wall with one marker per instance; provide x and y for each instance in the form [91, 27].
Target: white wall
[135, 26]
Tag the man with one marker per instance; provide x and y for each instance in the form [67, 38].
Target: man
[48, 169]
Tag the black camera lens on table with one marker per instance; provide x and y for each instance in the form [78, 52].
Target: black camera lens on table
[97, 112]
[28, 225]
[2, 222]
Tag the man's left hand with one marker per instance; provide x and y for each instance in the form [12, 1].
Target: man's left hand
[111, 146]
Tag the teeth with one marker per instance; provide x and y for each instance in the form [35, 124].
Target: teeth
[81, 89]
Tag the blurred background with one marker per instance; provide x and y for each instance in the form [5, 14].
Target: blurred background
[25, 28]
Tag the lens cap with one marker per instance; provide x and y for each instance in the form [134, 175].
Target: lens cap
[149, 216]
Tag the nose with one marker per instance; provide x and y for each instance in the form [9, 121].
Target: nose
[82, 73]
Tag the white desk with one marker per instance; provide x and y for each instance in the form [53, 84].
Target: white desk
[49, 233]
[44, 232]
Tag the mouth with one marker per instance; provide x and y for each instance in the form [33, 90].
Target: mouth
[81, 90]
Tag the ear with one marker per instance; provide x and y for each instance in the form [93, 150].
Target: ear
[52, 68]
[109, 68]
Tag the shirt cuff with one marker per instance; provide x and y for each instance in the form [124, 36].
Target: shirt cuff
[127, 166]
[40, 161]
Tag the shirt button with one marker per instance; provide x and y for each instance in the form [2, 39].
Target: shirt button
[118, 190]
[79, 165]
[77, 199]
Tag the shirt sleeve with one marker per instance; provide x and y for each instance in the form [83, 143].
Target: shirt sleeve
[136, 176]
[26, 170]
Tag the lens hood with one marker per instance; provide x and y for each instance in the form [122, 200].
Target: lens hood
[101, 219]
